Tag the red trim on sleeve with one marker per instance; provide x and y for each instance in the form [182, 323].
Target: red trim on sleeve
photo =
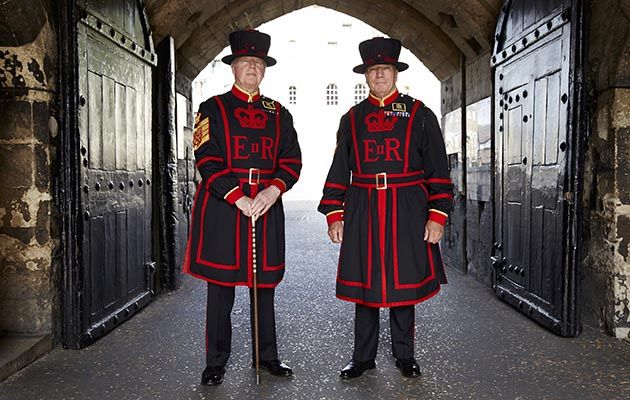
[290, 161]
[441, 181]
[234, 196]
[437, 217]
[277, 182]
[440, 196]
[208, 158]
[216, 175]
[335, 186]
[334, 217]
[290, 171]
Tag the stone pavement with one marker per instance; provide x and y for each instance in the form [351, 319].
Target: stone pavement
[469, 344]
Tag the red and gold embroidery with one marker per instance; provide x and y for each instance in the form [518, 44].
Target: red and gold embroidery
[201, 133]
[251, 118]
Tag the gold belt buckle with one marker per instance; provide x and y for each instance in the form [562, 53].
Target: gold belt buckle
[255, 181]
[384, 180]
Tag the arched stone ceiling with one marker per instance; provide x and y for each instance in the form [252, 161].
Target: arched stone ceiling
[437, 32]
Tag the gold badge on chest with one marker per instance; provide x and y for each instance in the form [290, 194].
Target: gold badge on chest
[269, 105]
[401, 107]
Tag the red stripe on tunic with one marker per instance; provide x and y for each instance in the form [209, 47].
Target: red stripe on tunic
[186, 266]
[431, 264]
[238, 237]
[416, 104]
[246, 171]
[240, 283]
[267, 267]
[425, 190]
[397, 283]
[440, 196]
[440, 181]
[215, 176]
[290, 161]
[369, 239]
[200, 260]
[395, 234]
[226, 127]
[207, 159]
[397, 175]
[354, 139]
[276, 155]
[382, 216]
[368, 284]
[290, 171]
[335, 186]
[390, 304]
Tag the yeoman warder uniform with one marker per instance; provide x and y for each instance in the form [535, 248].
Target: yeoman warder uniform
[243, 143]
[388, 177]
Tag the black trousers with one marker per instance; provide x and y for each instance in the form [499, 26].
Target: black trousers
[219, 324]
[366, 326]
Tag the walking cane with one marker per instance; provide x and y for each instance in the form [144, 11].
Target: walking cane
[254, 268]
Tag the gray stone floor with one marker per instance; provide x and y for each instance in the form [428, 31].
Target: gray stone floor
[468, 343]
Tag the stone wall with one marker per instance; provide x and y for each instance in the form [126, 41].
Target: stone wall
[28, 241]
[606, 200]
[468, 240]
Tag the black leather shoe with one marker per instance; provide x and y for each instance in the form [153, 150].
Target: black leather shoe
[275, 367]
[212, 376]
[355, 369]
[408, 367]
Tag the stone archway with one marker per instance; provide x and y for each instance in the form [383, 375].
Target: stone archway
[436, 33]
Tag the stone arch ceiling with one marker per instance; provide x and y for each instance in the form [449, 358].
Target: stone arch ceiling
[437, 32]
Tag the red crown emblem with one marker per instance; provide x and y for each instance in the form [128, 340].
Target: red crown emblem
[251, 117]
[378, 122]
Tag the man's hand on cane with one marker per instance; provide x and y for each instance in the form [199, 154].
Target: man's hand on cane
[264, 200]
[245, 205]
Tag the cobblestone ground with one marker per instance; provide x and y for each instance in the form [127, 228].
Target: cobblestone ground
[469, 345]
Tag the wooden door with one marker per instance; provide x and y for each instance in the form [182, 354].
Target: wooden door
[535, 166]
[115, 80]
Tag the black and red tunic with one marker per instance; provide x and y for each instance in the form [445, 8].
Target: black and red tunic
[388, 177]
[242, 143]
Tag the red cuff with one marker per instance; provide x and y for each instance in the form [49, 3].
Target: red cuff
[438, 217]
[234, 195]
[279, 183]
[334, 217]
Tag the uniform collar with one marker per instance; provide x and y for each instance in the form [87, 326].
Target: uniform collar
[385, 101]
[244, 95]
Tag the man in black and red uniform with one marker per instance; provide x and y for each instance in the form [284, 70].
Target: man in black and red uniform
[386, 200]
[247, 153]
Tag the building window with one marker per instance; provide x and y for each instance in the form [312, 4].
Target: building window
[292, 95]
[360, 93]
[332, 99]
